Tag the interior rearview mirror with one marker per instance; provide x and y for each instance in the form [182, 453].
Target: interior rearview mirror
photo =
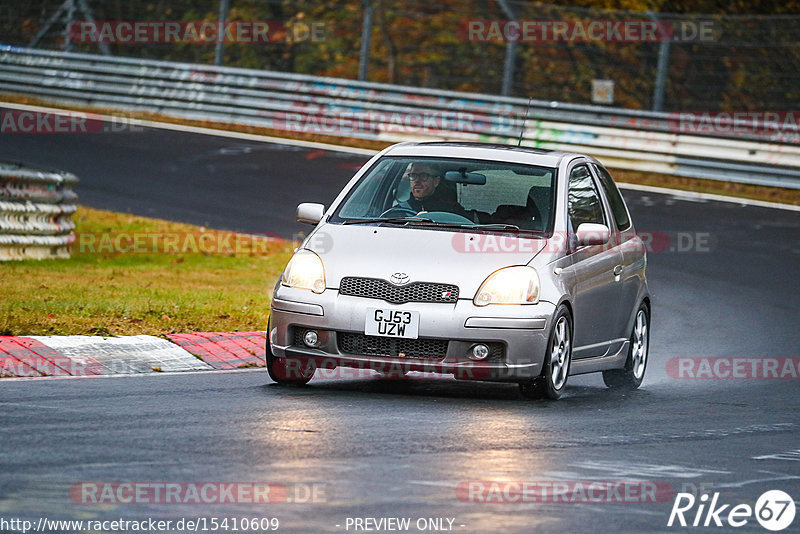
[462, 177]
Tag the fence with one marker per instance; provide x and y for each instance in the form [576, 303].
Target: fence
[749, 59]
[36, 208]
[628, 139]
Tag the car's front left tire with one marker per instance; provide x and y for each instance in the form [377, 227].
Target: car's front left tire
[284, 372]
[288, 372]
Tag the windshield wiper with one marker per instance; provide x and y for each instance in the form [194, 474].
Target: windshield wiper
[391, 220]
[494, 226]
[502, 227]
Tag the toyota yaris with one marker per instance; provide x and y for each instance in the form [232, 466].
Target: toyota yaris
[482, 261]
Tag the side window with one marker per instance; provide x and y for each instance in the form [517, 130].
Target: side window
[584, 201]
[618, 208]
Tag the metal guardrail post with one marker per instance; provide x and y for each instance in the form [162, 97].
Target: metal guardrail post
[68, 25]
[366, 38]
[219, 51]
[511, 53]
[36, 208]
[661, 69]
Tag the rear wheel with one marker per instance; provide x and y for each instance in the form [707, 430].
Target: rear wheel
[632, 375]
[553, 380]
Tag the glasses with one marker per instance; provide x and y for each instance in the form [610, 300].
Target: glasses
[420, 177]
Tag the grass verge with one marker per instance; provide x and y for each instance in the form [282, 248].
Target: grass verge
[176, 278]
[732, 189]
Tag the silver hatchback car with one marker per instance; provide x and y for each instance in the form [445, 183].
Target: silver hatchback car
[486, 262]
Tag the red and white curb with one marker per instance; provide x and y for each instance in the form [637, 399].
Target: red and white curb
[86, 356]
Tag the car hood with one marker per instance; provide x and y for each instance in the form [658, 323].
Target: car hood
[424, 255]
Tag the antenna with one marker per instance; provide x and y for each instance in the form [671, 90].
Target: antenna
[524, 121]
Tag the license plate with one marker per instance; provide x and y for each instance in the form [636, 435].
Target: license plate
[392, 323]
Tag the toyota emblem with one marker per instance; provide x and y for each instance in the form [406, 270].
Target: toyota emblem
[399, 279]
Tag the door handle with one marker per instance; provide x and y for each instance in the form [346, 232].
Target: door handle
[618, 270]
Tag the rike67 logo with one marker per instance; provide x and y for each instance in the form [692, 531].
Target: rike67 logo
[774, 510]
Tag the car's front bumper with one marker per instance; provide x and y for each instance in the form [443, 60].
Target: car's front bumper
[518, 335]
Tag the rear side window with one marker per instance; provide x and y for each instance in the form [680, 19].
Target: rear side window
[584, 201]
[618, 208]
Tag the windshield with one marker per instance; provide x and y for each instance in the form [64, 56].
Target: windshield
[490, 195]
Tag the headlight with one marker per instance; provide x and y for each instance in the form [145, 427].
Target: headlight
[305, 271]
[512, 285]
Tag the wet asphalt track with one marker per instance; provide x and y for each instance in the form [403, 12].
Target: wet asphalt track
[400, 449]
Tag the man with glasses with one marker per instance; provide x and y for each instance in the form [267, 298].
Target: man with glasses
[428, 193]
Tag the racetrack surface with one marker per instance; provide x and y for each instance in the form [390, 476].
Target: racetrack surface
[400, 448]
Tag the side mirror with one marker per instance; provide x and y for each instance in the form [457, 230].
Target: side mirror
[593, 234]
[309, 212]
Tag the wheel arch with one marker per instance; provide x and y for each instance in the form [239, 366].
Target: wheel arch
[567, 304]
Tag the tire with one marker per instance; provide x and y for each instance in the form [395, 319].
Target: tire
[293, 375]
[632, 375]
[558, 360]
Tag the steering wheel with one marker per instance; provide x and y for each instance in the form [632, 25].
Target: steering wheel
[398, 211]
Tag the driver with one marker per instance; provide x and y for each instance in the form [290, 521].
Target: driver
[427, 191]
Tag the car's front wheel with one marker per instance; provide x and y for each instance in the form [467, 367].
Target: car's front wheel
[288, 372]
[553, 380]
[632, 375]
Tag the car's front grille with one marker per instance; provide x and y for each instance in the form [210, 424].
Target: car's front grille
[363, 345]
[375, 288]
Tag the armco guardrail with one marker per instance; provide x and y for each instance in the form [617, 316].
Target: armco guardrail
[36, 208]
[627, 139]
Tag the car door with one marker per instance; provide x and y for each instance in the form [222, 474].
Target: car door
[631, 247]
[595, 269]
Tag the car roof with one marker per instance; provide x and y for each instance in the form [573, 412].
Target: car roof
[484, 151]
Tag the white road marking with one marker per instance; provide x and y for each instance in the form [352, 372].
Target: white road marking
[26, 405]
[693, 195]
[780, 476]
[793, 456]
[623, 469]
